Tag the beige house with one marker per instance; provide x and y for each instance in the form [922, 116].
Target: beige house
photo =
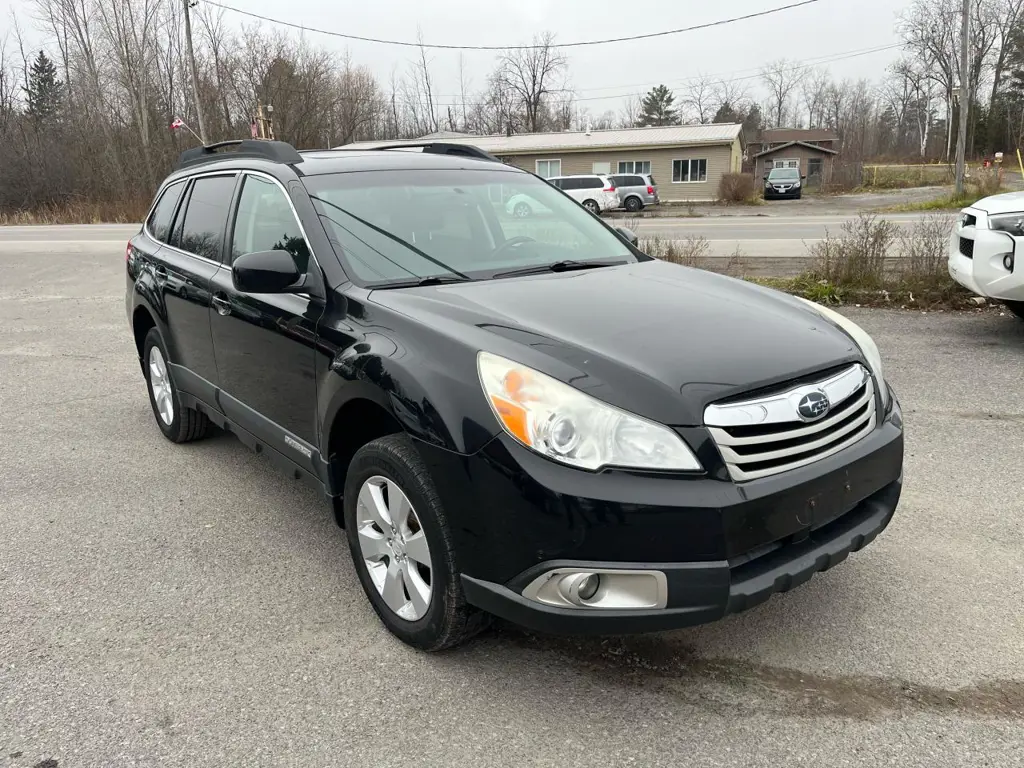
[687, 161]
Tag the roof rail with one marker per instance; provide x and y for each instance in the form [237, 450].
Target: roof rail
[274, 151]
[434, 148]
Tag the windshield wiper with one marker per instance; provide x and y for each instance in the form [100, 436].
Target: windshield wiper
[567, 265]
[394, 237]
[421, 282]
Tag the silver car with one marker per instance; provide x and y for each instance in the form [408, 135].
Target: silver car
[636, 190]
[594, 192]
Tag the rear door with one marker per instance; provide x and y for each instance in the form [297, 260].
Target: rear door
[188, 261]
[265, 344]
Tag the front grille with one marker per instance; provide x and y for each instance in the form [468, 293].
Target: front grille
[766, 436]
[967, 247]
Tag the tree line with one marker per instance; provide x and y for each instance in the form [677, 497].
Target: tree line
[88, 117]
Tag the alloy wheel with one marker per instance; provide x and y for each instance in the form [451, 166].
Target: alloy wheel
[160, 385]
[394, 548]
[591, 206]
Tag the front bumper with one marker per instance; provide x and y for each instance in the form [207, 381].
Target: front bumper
[723, 546]
[789, 194]
[698, 592]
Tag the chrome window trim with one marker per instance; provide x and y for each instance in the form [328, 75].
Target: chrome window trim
[186, 179]
[782, 407]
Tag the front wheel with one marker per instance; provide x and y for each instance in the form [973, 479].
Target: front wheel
[402, 549]
[1017, 307]
[592, 206]
[521, 211]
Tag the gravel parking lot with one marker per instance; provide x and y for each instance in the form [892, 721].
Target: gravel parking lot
[187, 605]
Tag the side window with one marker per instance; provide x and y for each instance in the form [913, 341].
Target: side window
[202, 231]
[265, 222]
[568, 184]
[592, 183]
[159, 221]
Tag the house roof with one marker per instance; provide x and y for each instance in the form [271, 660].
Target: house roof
[580, 141]
[443, 135]
[777, 135]
[779, 148]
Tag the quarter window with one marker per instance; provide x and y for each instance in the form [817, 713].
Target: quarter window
[548, 168]
[634, 166]
[159, 221]
[265, 222]
[689, 171]
[202, 231]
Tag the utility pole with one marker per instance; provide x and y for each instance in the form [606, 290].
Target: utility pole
[965, 96]
[195, 73]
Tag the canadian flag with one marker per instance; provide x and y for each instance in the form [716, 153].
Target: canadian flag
[178, 123]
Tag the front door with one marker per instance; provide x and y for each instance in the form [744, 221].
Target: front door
[265, 343]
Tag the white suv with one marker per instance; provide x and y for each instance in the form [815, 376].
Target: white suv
[986, 253]
[595, 193]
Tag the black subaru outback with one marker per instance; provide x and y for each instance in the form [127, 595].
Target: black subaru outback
[527, 418]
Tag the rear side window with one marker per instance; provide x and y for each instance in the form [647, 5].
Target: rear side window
[160, 220]
[591, 183]
[265, 222]
[635, 181]
[206, 215]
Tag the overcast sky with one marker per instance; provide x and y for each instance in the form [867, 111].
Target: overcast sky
[601, 75]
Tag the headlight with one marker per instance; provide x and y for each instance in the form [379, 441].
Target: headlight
[861, 339]
[796, 184]
[767, 185]
[562, 423]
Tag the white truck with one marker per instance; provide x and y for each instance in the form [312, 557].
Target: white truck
[986, 252]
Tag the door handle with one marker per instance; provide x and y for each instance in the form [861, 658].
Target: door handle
[221, 304]
[160, 272]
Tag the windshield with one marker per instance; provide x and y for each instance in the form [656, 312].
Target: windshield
[784, 174]
[405, 226]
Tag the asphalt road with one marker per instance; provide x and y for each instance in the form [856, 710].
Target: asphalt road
[166, 605]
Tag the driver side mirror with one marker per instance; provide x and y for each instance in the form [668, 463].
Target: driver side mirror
[627, 234]
[266, 272]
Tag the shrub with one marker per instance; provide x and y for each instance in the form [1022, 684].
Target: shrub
[857, 258]
[737, 188]
[691, 252]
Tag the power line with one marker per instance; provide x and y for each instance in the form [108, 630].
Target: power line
[797, 65]
[577, 44]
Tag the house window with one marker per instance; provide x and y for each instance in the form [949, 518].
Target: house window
[787, 162]
[634, 166]
[602, 168]
[689, 171]
[549, 168]
[814, 166]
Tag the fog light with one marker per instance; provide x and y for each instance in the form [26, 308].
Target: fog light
[1008, 262]
[588, 586]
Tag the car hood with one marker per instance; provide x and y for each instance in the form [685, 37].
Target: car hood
[1009, 202]
[655, 338]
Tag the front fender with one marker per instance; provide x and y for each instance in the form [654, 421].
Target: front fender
[434, 398]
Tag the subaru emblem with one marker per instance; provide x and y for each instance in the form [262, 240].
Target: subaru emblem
[813, 406]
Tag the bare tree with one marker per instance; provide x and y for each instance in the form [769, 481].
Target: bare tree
[700, 99]
[814, 92]
[730, 93]
[781, 78]
[631, 109]
[532, 75]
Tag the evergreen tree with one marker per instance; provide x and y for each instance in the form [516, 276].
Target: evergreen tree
[656, 107]
[727, 113]
[45, 93]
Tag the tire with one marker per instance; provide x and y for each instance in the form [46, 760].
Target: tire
[442, 619]
[1017, 307]
[633, 204]
[184, 424]
[521, 211]
[799, 195]
[592, 206]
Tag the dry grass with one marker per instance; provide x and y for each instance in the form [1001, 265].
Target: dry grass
[79, 212]
[690, 252]
[871, 263]
[905, 176]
